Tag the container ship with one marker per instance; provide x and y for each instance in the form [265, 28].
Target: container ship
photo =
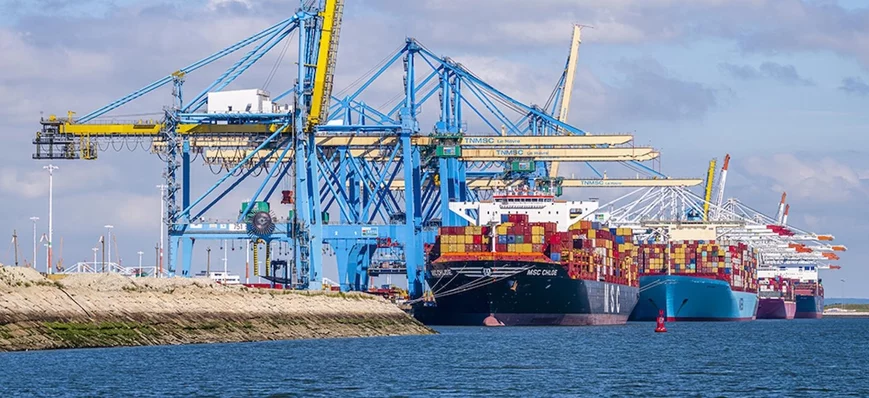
[697, 281]
[810, 299]
[776, 297]
[808, 289]
[529, 259]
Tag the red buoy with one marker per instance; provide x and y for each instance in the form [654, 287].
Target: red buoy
[660, 328]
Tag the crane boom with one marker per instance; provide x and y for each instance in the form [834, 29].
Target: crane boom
[722, 181]
[710, 176]
[326, 59]
[781, 208]
[569, 73]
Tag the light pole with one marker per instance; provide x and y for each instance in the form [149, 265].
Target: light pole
[140, 261]
[95, 258]
[162, 224]
[33, 262]
[109, 237]
[50, 169]
[103, 243]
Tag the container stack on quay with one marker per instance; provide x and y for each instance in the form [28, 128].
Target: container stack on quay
[735, 264]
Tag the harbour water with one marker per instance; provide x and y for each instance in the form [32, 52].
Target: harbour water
[761, 358]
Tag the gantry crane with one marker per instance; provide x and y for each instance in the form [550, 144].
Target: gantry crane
[655, 213]
[386, 178]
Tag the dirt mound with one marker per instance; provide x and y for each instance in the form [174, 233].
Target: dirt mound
[114, 282]
[163, 284]
[20, 276]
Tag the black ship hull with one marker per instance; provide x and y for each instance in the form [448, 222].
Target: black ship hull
[521, 293]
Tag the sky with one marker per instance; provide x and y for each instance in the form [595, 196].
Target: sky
[780, 85]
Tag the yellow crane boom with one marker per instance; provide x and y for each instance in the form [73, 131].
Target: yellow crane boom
[710, 177]
[326, 59]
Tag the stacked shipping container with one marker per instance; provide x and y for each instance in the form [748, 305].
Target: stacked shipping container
[464, 239]
[809, 289]
[777, 287]
[736, 264]
[586, 250]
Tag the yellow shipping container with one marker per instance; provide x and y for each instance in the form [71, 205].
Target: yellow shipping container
[591, 234]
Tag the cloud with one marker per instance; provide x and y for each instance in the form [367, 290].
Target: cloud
[744, 72]
[827, 179]
[753, 26]
[650, 91]
[854, 86]
[786, 74]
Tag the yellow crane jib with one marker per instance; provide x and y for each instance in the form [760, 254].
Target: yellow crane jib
[326, 59]
[710, 177]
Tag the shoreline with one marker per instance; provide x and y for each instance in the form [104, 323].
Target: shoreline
[107, 310]
[836, 314]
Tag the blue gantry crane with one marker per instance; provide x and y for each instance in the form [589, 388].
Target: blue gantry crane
[388, 181]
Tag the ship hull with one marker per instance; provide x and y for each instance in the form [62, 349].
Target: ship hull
[516, 293]
[809, 307]
[686, 298]
[776, 308]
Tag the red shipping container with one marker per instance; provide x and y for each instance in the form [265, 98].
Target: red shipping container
[478, 239]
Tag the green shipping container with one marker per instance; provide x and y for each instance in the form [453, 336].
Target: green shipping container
[257, 207]
[522, 165]
[325, 217]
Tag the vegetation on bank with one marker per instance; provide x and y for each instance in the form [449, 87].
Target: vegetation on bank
[849, 307]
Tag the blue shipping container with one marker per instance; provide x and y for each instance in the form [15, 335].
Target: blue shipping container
[511, 238]
[555, 256]
[505, 218]
[502, 239]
